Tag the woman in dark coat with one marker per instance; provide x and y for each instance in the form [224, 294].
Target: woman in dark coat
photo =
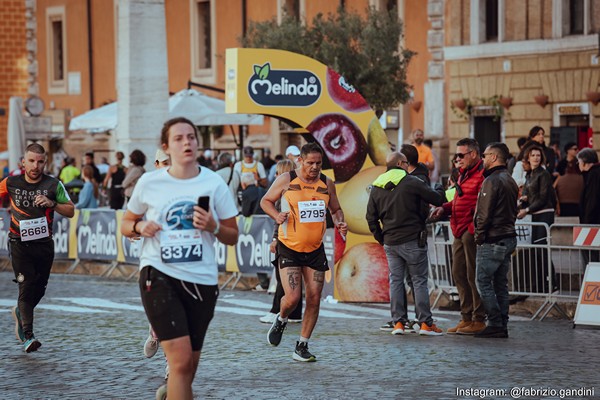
[538, 200]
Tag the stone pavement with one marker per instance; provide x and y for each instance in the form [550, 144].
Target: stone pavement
[93, 330]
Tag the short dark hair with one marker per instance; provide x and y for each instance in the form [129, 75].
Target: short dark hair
[411, 153]
[588, 156]
[428, 143]
[89, 154]
[501, 151]
[35, 148]
[472, 144]
[310, 148]
[164, 132]
[137, 158]
[568, 146]
[521, 141]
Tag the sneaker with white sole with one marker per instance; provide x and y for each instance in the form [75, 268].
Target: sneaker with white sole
[412, 326]
[31, 344]
[268, 318]
[302, 354]
[430, 330]
[151, 345]
[398, 328]
[387, 327]
[295, 321]
[276, 332]
[18, 325]
[166, 372]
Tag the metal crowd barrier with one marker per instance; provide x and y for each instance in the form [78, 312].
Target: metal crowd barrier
[551, 269]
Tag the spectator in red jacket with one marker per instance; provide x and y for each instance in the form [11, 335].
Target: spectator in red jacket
[461, 210]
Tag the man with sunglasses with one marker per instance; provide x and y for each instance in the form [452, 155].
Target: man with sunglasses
[495, 236]
[461, 210]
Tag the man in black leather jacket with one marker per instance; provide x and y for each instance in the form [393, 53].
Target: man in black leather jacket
[495, 236]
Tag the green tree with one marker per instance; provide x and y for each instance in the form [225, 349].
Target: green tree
[366, 51]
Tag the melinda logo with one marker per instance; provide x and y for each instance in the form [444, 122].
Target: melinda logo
[292, 88]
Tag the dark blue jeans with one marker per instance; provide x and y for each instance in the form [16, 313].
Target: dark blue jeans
[493, 261]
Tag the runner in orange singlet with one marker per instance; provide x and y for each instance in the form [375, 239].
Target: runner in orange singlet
[305, 195]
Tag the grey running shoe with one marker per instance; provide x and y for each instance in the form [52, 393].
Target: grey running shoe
[18, 326]
[276, 331]
[302, 354]
[31, 344]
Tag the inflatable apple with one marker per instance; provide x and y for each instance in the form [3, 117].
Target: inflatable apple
[344, 94]
[343, 143]
[339, 247]
[354, 197]
[362, 274]
[379, 145]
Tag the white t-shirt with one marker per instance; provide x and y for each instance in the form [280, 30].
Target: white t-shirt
[261, 169]
[180, 250]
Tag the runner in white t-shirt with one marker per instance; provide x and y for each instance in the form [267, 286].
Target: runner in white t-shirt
[178, 276]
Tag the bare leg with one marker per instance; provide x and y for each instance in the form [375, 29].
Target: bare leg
[291, 280]
[183, 363]
[313, 282]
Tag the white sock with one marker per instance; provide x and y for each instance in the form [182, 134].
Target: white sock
[303, 339]
[282, 319]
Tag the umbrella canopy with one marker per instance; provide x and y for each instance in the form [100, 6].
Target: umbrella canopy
[205, 110]
[201, 109]
[16, 133]
[100, 119]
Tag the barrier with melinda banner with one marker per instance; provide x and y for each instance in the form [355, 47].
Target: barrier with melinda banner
[331, 112]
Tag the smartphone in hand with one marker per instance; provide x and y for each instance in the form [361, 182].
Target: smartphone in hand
[203, 202]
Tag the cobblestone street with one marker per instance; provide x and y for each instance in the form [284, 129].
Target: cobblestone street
[93, 330]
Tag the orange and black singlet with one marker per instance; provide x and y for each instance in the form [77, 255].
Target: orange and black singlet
[28, 221]
[307, 205]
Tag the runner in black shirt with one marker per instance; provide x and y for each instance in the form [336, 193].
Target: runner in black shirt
[34, 197]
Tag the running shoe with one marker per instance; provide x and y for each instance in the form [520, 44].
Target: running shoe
[151, 345]
[398, 328]
[387, 327]
[302, 354]
[31, 344]
[412, 326]
[18, 326]
[430, 330]
[268, 318]
[294, 321]
[276, 332]
[166, 372]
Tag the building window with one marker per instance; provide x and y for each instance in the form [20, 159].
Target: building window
[576, 17]
[203, 40]
[56, 50]
[491, 20]
[384, 5]
[292, 8]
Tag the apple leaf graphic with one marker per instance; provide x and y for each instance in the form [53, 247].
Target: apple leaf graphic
[262, 72]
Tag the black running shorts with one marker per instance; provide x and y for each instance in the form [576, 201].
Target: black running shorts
[177, 308]
[315, 259]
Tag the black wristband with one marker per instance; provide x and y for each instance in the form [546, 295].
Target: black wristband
[135, 225]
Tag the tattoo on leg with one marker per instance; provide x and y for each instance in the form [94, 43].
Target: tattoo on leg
[292, 280]
[319, 276]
